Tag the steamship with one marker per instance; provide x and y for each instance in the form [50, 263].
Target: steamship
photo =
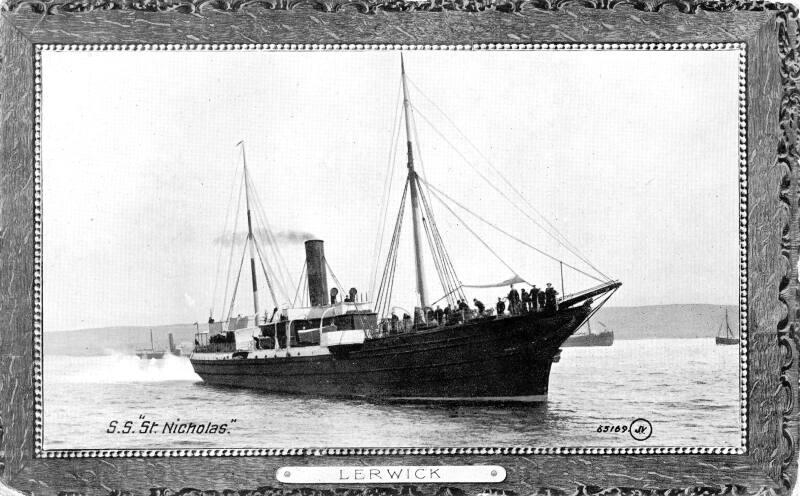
[589, 338]
[359, 347]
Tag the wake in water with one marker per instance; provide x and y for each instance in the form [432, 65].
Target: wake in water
[115, 369]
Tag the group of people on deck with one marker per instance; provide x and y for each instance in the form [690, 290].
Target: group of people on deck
[535, 300]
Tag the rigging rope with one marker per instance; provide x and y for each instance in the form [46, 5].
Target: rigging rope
[383, 298]
[506, 197]
[299, 283]
[264, 264]
[218, 265]
[436, 192]
[387, 187]
[453, 282]
[335, 279]
[441, 259]
[567, 244]
[498, 257]
[266, 276]
[282, 276]
[236, 286]
[233, 245]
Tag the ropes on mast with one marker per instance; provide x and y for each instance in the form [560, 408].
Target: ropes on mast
[233, 245]
[446, 272]
[387, 188]
[384, 297]
[281, 276]
[552, 231]
[236, 286]
[299, 283]
[277, 277]
[222, 245]
[266, 276]
[436, 192]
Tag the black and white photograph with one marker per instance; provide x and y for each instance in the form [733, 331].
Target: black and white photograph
[395, 247]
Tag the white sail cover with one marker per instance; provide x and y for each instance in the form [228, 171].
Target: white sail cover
[508, 282]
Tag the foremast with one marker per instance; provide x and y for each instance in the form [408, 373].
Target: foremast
[415, 210]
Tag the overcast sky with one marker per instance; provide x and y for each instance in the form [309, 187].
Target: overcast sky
[632, 155]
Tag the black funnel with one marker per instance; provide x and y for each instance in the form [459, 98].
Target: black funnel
[317, 275]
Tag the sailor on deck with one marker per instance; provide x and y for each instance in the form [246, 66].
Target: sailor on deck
[534, 296]
[550, 298]
[542, 299]
[513, 300]
[479, 305]
[439, 314]
[501, 307]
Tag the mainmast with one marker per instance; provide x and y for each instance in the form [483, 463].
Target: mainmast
[412, 179]
[250, 238]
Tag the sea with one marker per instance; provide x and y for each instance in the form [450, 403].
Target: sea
[687, 391]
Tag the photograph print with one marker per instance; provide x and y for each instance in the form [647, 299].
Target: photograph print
[394, 247]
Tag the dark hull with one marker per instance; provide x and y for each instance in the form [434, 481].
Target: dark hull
[499, 360]
[601, 339]
[721, 340]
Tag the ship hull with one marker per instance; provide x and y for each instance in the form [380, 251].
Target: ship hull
[726, 341]
[600, 339]
[503, 360]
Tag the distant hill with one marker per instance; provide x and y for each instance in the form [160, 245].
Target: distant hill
[665, 321]
[646, 322]
[125, 339]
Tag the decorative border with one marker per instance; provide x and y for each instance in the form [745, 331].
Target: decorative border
[40, 452]
[54, 7]
[788, 330]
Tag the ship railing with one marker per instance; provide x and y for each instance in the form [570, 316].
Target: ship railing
[388, 327]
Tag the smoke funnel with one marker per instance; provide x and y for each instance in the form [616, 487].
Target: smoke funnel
[317, 275]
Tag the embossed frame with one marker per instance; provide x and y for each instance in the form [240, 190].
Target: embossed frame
[769, 31]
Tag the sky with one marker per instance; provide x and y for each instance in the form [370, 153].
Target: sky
[631, 155]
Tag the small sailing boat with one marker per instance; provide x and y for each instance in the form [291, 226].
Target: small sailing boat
[725, 334]
[589, 338]
[357, 348]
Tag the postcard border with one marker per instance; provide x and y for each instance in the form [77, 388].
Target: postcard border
[40, 452]
[771, 31]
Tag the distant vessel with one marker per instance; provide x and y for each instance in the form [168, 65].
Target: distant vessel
[152, 352]
[603, 338]
[725, 334]
[357, 348]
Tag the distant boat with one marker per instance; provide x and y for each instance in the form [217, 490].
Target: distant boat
[726, 336]
[604, 338]
[152, 352]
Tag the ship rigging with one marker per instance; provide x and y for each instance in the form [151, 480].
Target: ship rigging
[357, 347]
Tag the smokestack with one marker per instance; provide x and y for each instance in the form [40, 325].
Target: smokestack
[317, 275]
[171, 343]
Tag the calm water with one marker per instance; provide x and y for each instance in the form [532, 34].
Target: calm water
[687, 389]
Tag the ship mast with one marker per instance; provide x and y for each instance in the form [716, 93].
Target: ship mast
[412, 180]
[250, 237]
[728, 325]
